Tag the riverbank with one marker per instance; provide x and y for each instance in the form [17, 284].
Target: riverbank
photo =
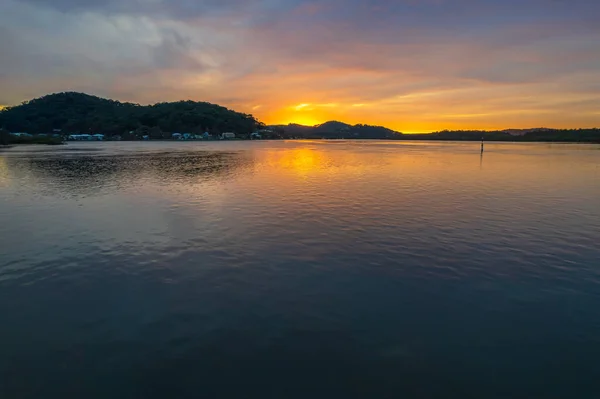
[35, 140]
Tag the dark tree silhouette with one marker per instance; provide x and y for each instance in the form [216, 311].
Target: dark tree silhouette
[81, 113]
[4, 137]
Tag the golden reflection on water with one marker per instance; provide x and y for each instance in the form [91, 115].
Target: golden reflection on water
[313, 159]
[209, 175]
[237, 185]
[300, 161]
[435, 167]
[4, 173]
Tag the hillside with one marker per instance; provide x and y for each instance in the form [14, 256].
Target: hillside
[81, 113]
[338, 130]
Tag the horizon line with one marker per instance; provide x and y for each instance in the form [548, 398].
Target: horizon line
[4, 107]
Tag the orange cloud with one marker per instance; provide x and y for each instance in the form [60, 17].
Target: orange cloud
[411, 65]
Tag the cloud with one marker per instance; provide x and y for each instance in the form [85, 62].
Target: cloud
[174, 51]
[411, 64]
[167, 9]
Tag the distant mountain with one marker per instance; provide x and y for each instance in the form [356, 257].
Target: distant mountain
[77, 112]
[337, 130]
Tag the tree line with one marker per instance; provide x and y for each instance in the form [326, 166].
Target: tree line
[591, 135]
[71, 112]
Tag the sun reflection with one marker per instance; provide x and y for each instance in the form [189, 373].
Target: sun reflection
[4, 179]
[301, 161]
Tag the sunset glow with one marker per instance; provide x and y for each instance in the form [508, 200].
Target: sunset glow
[410, 65]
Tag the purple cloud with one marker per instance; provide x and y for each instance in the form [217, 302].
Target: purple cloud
[403, 56]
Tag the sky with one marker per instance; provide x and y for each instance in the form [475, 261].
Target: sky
[410, 65]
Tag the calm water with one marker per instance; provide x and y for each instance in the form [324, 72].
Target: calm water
[300, 270]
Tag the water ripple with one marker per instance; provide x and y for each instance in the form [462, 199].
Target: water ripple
[347, 269]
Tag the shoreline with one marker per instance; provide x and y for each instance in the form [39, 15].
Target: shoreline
[312, 140]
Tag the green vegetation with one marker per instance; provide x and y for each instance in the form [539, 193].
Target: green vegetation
[36, 140]
[525, 135]
[4, 137]
[82, 113]
[337, 130]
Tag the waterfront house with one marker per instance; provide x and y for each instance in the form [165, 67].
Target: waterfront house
[228, 135]
[176, 136]
[80, 137]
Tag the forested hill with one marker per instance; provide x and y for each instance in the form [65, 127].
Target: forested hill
[81, 113]
[338, 130]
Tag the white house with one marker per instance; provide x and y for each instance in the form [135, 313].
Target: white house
[80, 137]
[227, 135]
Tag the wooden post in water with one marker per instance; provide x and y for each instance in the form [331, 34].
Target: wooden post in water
[482, 144]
